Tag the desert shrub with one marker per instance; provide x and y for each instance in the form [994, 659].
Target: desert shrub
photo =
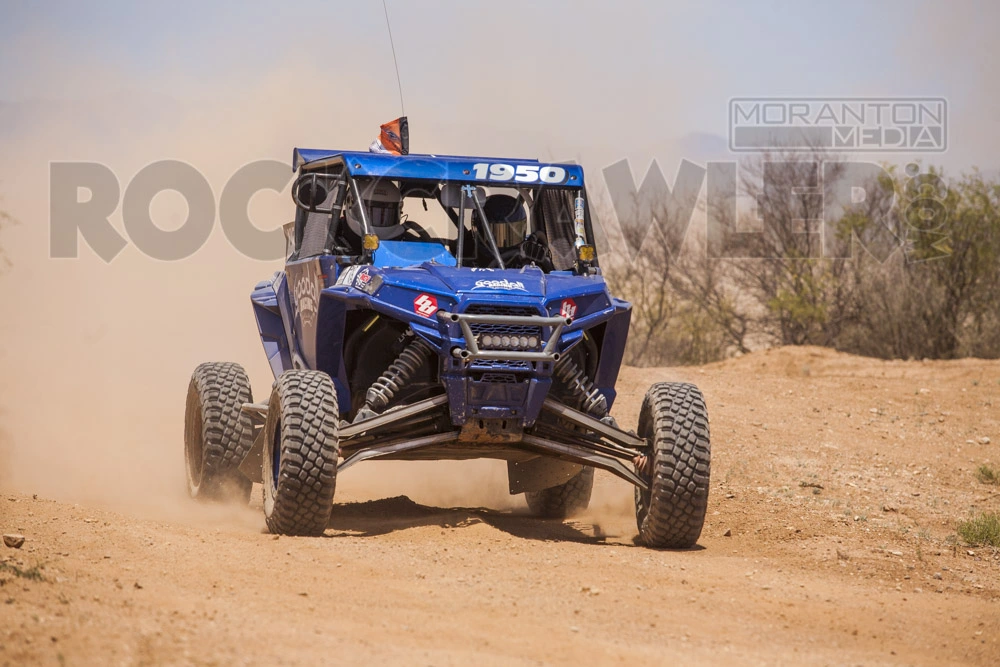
[940, 299]
[987, 474]
[683, 311]
[922, 283]
[980, 531]
[33, 573]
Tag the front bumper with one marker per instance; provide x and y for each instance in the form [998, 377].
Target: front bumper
[498, 393]
[550, 328]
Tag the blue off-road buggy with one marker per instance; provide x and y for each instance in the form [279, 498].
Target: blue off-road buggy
[438, 307]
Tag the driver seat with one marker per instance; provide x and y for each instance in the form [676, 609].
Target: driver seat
[507, 219]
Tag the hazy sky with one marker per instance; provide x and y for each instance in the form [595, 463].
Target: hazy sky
[96, 357]
[596, 81]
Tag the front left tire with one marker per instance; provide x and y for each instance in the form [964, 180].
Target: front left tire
[564, 500]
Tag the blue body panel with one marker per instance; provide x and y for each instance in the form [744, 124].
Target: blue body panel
[456, 289]
[303, 312]
[405, 253]
[431, 167]
[271, 326]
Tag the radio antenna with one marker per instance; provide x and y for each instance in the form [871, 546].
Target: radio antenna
[399, 84]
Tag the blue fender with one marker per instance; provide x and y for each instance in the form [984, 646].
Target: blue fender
[271, 325]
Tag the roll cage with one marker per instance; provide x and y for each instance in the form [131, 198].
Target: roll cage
[554, 196]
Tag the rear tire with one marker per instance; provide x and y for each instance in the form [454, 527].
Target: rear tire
[559, 502]
[301, 448]
[214, 426]
[674, 420]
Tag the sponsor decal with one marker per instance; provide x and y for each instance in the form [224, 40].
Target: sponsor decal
[367, 281]
[568, 308]
[347, 276]
[499, 284]
[305, 291]
[425, 305]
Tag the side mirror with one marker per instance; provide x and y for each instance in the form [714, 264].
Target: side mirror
[453, 193]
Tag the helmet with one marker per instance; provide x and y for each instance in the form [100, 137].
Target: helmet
[382, 201]
[507, 218]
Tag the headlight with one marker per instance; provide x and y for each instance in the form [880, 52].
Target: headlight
[508, 342]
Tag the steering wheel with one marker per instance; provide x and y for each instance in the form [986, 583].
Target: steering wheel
[415, 229]
[534, 249]
[512, 258]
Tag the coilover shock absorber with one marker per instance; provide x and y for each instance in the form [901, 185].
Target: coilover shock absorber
[398, 374]
[592, 401]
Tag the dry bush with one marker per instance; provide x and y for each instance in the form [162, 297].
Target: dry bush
[801, 294]
[987, 474]
[684, 311]
[940, 298]
[922, 282]
[981, 531]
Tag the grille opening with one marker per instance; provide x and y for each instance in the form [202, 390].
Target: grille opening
[501, 309]
[496, 378]
[502, 365]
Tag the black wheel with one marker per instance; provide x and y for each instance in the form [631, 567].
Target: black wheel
[300, 453]
[559, 502]
[675, 422]
[214, 445]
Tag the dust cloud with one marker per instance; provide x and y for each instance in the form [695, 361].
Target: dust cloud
[475, 483]
[96, 356]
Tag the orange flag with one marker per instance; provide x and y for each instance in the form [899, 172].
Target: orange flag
[394, 138]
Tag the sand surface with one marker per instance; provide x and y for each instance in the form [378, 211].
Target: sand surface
[839, 482]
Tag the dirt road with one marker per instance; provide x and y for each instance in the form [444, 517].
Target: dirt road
[837, 483]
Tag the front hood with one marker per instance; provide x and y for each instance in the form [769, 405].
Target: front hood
[452, 281]
[529, 281]
[465, 282]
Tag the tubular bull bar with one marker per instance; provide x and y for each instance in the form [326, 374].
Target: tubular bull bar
[472, 350]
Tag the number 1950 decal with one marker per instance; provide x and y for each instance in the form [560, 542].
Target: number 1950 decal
[523, 173]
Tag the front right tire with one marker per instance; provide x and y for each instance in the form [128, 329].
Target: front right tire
[301, 449]
[214, 425]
